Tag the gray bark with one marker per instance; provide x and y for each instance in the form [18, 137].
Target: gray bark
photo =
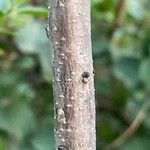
[73, 85]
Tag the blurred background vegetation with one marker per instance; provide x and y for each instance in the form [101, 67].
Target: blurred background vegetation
[121, 52]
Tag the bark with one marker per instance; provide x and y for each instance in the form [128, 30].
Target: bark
[73, 85]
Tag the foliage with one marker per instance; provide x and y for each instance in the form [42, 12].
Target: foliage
[121, 61]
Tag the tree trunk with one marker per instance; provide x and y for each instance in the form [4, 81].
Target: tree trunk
[73, 85]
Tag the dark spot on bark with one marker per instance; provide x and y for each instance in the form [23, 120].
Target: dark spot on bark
[56, 110]
[93, 71]
[85, 75]
[62, 148]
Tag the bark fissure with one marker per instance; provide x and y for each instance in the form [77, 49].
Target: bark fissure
[69, 23]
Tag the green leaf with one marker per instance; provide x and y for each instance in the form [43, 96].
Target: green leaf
[133, 106]
[137, 143]
[20, 2]
[102, 86]
[24, 91]
[124, 43]
[27, 63]
[144, 71]
[108, 128]
[44, 140]
[105, 5]
[134, 8]
[2, 52]
[31, 37]
[32, 40]
[6, 31]
[126, 69]
[1, 13]
[2, 143]
[36, 11]
[4, 5]
[17, 121]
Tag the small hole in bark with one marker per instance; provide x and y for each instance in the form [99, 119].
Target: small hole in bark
[93, 71]
[85, 75]
[62, 148]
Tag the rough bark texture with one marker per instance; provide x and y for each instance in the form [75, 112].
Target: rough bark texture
[69, 23]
